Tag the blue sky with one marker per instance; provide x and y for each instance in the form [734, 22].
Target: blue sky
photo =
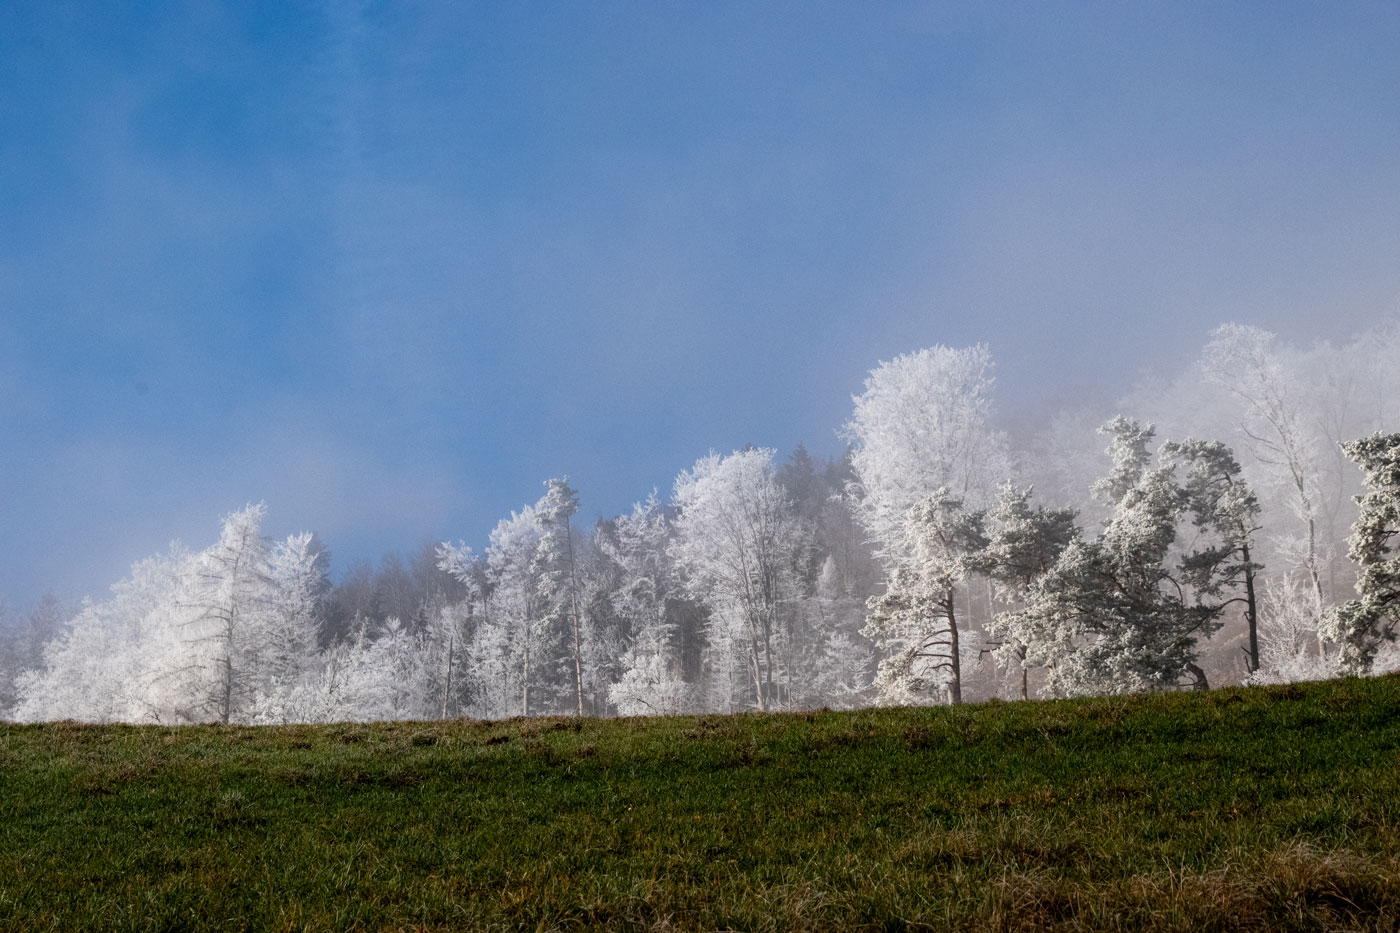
[389, 266]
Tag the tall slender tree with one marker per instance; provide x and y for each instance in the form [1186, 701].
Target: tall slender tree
[1246, 361]
[558, 566]
[736, 546]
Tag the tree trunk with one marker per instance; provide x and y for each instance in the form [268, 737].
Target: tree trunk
[757, 669]
[955, 686]
[525, 681]
[768, 665]
[573, 603]
[447, 690]
[1312, 562]
[228, 685]
[1251, 610]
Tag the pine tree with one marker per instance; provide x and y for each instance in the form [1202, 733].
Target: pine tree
[1116, 614]
[1360, 626]
[1226, 510]
[1024, 543]
[916, 618]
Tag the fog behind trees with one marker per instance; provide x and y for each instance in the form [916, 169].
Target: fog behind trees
[1194, 534]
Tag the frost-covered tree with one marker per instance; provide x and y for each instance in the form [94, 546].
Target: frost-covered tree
[22, 642]
[1360, 626]
[1288, 650]
[736, 546]
[922, 424]
[1117, 614]
[289, 633]
[1225, 512]
[511, 644]
[104, 664]
[286, 631]
[232, 594]
[1023, 543]
[651, 680]
[916, 618]
[606, 633]
[1247, 363]
[557, 567]
[841, 675]
[391, 676]
[224, 635]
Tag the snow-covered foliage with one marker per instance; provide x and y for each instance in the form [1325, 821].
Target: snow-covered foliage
[513, 640]
[922, 424]
[1359, 627]
[217, 636]
[915, 621]
[736, 546]
[1269, 394]
[557, 569]
[652, 681]
[1126, 611]
[1024, 542]
[1290, 647]
[917, 567]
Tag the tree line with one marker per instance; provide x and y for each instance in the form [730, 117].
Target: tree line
[1197, 540]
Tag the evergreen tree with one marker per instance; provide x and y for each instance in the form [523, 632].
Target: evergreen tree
[1226, 511]
[1024, 543]
[1360, 626]
[916, 618]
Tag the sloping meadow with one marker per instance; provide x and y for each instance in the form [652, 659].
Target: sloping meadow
[1260, 808]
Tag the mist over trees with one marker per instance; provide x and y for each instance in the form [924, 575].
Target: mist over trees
[1237, 522]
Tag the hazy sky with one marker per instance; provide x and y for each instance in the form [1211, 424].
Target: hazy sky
[389, 266]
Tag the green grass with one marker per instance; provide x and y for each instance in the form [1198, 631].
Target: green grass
[1260, 809]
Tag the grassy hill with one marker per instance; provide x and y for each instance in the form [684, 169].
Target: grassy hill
[1237, 809]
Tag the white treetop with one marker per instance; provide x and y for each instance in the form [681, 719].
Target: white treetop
[923, 423]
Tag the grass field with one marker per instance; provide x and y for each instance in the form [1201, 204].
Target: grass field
[1268, 808]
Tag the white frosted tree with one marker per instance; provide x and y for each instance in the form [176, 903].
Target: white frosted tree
[1225, 513]
[286, 631]
[1288, 623]
[1024, 543]
[916, 619]
[1271, 418]
[736, 546]
[224, 635]
[515, 636]
[490, 655]
[385, 677]
[1119, 614]
[922, 424]
[557, 568]
[231, 594]
[1359, 627]
[99, 668]
[841, 675]
[651, 681]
